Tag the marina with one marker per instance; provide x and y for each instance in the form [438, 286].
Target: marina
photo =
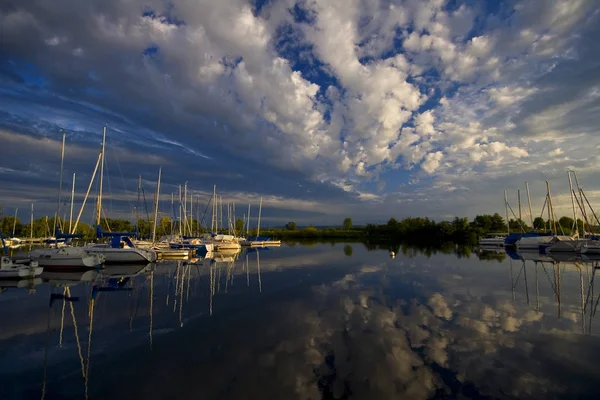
[311, 200]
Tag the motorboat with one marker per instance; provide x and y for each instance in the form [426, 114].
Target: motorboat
[12, 270]
[75, 257]
[492, 240]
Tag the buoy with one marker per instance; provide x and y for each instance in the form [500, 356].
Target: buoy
[392, 254]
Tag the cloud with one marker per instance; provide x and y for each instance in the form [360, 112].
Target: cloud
[315, 91]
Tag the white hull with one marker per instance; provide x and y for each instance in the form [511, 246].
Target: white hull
[123, 255]
[10, 270]
[591, 247]
[533, 243]
[567, 246]
[66, 257]
[227, 246]
[491, 241]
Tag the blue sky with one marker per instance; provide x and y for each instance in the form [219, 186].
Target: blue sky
[326, 109]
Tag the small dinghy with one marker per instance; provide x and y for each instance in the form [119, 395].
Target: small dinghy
[12, 270]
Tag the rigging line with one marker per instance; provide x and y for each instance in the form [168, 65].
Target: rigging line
[123, 180]
[146, 206]
[517, 219]
[107, 174]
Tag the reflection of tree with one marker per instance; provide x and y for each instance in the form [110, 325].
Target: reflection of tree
[348, 250]
[491, 255]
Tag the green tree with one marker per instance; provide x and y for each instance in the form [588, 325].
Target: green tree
[347, 223]
[539, 223]
[239, 226]
[498, 224]
[290, 226]
[566, 223]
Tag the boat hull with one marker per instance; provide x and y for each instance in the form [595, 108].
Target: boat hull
[66, 257]
[123, 255]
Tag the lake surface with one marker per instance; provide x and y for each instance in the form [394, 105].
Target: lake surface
[329, 321]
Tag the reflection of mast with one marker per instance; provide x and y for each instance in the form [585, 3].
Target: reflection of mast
[212, 288]
[181, 295]
[579, 266]
[258, 265]
[247, 272]
[89, 349]
[557, 285]
[512, 281]
[189, 274]
[526, 287]
[151, 302]
[537, 290]
[62, 317]
[176, 285]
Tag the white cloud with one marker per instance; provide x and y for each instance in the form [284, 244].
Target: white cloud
[444, 104]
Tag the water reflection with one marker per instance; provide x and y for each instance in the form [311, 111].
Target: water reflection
[308, 323]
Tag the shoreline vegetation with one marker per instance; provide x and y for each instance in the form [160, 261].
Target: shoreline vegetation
[412, 230]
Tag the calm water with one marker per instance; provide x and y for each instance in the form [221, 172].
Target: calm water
[327, 321]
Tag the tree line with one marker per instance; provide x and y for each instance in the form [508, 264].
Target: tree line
[412, 229]
[423, 229]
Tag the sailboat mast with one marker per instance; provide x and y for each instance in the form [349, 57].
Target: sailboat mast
[519, 199]
[156, 207]
[180, 206]
[506, 212]
[72, 201]
[137, 205]
[212, 220]
[259, 212]
[529, 203]
[62, 160]
[221, 220]
[185, 208]
[173, 211]
[581, 195]
[99, 210]
[31, 230]
[573, 204]
[15, 222]
[248, 222]
[551, 220]
[191, 214]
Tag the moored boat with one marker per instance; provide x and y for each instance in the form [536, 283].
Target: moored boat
[66, 257]
[492, 239]
[12, 270]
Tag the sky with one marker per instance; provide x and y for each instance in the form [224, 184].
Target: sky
[326, 109]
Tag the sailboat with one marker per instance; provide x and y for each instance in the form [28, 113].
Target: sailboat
[533, 242]
[113, 252]
[220, 241]
[75, 257]
[566, 243]
[257, 240]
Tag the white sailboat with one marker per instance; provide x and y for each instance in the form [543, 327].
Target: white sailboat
[75, 257]
[114, 254]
